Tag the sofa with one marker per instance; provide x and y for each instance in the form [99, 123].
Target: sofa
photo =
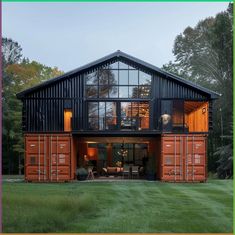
[114, 171]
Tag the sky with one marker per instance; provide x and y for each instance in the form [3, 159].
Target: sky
[69, 35]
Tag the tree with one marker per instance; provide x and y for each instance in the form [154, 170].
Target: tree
[225, 157]
[18, 75]
[203, 54]
[11, 51]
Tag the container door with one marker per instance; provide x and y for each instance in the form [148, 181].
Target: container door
[173, 158]
[36, 158]
[195, 164]
[59, 159]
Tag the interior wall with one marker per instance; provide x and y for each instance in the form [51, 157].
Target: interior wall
[197, 120]
[67, 120]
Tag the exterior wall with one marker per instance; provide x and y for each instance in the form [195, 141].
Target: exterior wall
[48, 157]
[43, 110]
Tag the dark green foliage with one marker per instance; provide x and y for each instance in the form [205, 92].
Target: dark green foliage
[225, 168]
[203, 54]
[224, 154]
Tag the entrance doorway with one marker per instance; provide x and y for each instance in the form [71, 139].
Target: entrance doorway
[135, 152]
[106, 154]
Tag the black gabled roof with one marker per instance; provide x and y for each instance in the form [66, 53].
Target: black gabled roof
[116, 55]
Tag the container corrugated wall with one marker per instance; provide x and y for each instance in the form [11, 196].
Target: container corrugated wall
[48, 157]
[183, 158]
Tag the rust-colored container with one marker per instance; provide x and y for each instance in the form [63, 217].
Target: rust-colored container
[48, 157]
[183, 158]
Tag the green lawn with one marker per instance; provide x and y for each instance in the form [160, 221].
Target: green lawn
[118, 207]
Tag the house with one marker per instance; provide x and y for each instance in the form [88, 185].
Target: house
[116, 109]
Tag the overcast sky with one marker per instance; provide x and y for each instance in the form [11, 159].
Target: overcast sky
[68, 35]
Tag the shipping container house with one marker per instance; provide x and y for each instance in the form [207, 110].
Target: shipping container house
[114, 104]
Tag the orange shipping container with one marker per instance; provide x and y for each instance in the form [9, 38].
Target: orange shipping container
[183, 158]
[48, 157]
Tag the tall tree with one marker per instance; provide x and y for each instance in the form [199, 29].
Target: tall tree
[203, 54]
[11, 51]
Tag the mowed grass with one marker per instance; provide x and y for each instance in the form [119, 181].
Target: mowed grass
[118, 207]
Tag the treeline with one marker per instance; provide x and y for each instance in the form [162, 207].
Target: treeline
[203, 54]
[19, 73]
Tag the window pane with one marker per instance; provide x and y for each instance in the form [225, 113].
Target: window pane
[135, 115]
[113, 66]
[144, 109]
[135, 109]
[101, 115]
[113, 77]
[144, 115]
[102, 152]
[91, 78]
[93, 109]
[104, 76]
[91, 91]
[144, 78]
[166, 115]
[133, 91]
[133, 77]
[123, 77]
[126, 115]
[123, 92]
[113, 92]
[111, 109]
[178, 115]
[104, 91]
[144, 91]
[93, 115]
[123, 65]
[111, 119]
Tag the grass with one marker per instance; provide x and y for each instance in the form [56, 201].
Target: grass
[118, 207]
[7, 177]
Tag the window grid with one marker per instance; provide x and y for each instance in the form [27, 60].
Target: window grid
[129, 86]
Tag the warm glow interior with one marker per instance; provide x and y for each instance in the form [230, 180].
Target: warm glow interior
[196, 116]
[67, 120]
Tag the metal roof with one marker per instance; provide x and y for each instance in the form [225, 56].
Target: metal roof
[116, 55]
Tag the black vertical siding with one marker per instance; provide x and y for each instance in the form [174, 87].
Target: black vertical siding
[169, 89]
[44, 110]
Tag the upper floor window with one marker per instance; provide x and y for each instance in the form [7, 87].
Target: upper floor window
[118, 80]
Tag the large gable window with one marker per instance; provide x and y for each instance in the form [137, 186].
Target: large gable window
[118, 80]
